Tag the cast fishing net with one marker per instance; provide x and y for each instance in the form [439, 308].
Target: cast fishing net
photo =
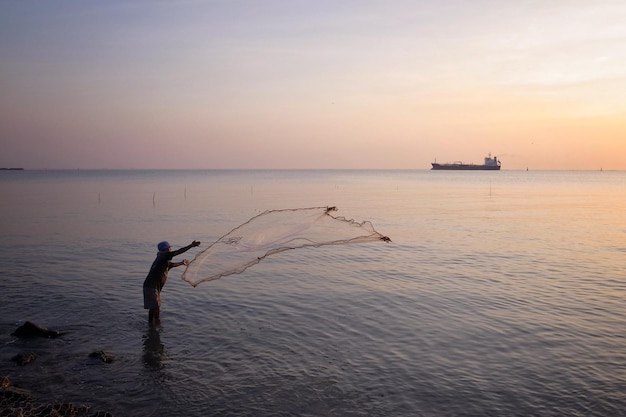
[272, 232]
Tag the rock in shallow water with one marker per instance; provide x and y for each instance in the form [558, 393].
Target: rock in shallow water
[100, 354]
[24, 358]
[30, 329]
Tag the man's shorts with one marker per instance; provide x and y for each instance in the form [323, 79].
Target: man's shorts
[151, 298]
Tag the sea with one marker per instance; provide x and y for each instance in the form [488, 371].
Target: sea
[501, 293]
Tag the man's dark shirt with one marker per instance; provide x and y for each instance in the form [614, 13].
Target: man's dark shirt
[158, 271]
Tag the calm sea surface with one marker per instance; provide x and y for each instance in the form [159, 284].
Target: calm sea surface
[501, 294]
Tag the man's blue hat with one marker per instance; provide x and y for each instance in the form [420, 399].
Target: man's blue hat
[163, 245]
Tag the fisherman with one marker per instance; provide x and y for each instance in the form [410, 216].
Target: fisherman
[157, 276]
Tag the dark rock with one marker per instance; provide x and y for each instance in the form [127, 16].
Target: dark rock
[24, 358]
[102, 355]
[29, 329]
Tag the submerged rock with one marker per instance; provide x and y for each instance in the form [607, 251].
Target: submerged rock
[30, 329]
[24, 358]
[102, 355]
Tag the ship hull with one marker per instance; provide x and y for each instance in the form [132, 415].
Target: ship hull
[464, 167]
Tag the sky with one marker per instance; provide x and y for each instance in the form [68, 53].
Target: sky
[319, 84]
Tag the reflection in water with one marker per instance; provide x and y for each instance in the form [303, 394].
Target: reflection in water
[152, 348]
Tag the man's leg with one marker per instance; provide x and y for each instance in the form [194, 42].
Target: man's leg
[157, 315]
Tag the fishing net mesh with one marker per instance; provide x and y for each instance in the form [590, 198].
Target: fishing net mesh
[272, 232]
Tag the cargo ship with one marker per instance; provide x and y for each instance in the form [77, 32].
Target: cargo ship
[491, 164]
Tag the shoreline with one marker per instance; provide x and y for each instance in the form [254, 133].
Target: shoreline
[20, 401]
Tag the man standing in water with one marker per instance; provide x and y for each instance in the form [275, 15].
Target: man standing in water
[157, 276]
